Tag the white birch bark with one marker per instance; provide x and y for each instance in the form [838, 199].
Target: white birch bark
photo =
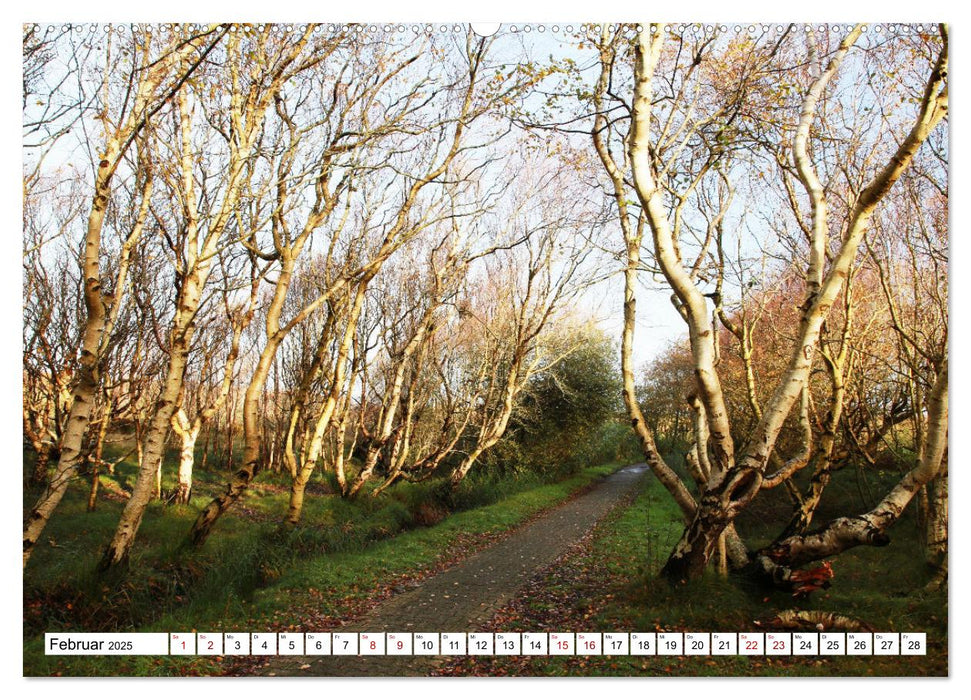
[146, 101]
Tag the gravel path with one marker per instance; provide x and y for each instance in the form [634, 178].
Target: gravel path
[464, 597]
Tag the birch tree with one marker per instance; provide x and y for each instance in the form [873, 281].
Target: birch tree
[666, 153]
[238, 318]
[257, 68]
[158, 69]
[365, 113]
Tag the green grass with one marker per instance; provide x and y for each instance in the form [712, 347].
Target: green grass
[252, 574]
[880, 586]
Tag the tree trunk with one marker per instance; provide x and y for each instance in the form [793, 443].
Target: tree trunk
[632, 241]
[241, 480]
[89, 371]
[936, 528]
[393, 400]
[97, 461]
[698, 542]
[230, 438]
[455, 478]
[183, 491]
[312, 453]
[146, 483]
[871, 528]
[144, 102]
[492, 433]
[205, 448]
[733, 491]
[716, 511]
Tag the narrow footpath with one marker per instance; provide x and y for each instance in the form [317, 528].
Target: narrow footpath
[464, 597]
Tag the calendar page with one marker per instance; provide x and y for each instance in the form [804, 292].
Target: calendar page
[424, 348]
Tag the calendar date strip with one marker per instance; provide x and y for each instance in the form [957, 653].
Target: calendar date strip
[486, 644]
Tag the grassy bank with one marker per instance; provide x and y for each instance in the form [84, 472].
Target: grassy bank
[610, 583]
[253, 575]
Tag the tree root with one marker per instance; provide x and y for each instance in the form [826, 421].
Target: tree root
[814, 621]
